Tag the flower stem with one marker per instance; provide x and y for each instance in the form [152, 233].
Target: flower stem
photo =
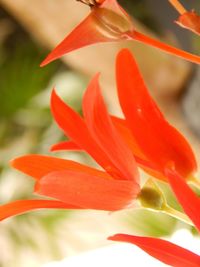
[177, 214]
[178, 6]
[152, 198]
[138, 36]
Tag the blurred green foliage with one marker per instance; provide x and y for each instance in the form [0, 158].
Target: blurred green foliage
[21, 77]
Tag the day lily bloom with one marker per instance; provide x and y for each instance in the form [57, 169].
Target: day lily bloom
[163, 250]
[74, 185]
[187, 19]
[154, 142]
[108, 22]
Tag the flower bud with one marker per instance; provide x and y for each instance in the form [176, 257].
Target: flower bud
[151, 196]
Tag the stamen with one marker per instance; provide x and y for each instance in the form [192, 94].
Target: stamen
[178, 6]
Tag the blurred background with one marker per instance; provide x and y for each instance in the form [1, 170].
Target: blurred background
[28, 31]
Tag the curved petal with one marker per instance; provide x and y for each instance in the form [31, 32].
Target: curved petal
[65, 145]
[161, 143]
[142, 163]
[75, 128]
[21, 206]
[186, 197]
[105, 23]
[162, 250]
[101, 128]
[86, 33]
[38, 166]
[140, 158]
[127, 136]
[87, 191]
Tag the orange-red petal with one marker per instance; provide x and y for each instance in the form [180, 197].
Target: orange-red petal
[75, 128]
[87, 191]
[140, 158]
[127, 136]
[22, 206]
[84, 34]
[161, 143]
[103, 131]
[190, 20]
[38, 166]
[128, 139]
[189, 201]
[162, 250]
[66, 145]
[106, 22]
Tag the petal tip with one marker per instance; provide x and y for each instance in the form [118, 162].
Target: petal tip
[43, 63]
[49, 58]
[52, 148]
[17, 161]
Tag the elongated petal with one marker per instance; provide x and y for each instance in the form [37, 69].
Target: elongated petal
[138, 36]
[102, 129]
[87, 191]
[75, 128]
[186, 197]
[127, 136]
[190, 20]
[162, 250]
[22, 206]
[66, 145]
[86, 33]
[121, 127]
[106, 22]
[128, 139]
[161, 143]
[142, 163]
[38, 166]
[140, 158]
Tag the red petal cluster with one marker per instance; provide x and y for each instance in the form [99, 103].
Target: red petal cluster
[144, 138]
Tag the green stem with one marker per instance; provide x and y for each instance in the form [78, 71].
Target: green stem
[152, 198]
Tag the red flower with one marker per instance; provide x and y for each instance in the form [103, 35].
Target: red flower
[74, 185]
[153, 141]
[163, 250]
[108, 22]
[109, 140]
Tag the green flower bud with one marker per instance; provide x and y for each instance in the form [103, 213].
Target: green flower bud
[152, 197]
